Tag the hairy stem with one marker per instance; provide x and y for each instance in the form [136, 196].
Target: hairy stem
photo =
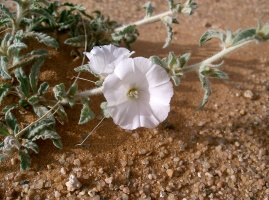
[146, 20]
[94, 91]
[215, 57]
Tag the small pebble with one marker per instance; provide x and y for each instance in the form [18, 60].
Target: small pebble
[249, 94]
[170, 172]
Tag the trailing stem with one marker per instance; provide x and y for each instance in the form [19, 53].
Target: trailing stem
[215, 57]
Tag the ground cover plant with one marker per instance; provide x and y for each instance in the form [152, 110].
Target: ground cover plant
[137, 90]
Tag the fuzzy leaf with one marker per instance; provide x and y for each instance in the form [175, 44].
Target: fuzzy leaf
[33, 100]
[23, 81]
[57, 143]
[207, 93]
[40, 110]
[25, 159]
[149, 9]
[176, 80]
[36, 131]
[78, 41]
[61, 115]
[43, 38]
[83, 68]
[15, 47]
[46, 134]
[9, 107]
[44, 13]
[12, 122]
[244, 35]
[43, 88]
[3, 130]
[214, 73]
[4, 68]
[156, 60]
[184, 59]
[25, 60]
[169, 34]
[31, 145]
[208, 35]
[86, 114]
[73, 90]
[6, 11]
[103, 106]
[33, 77]
[4, 90]
[59, 91]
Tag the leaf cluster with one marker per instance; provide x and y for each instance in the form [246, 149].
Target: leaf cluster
[173, 65]
[10, 129]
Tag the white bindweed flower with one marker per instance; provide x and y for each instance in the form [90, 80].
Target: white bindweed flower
[138, 93]
[104, 59]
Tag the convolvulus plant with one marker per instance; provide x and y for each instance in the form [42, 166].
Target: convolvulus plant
[137, 90]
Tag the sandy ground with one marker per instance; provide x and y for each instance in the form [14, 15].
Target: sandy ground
[220, 152]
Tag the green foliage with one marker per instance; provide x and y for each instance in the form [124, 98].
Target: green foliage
[261, 33]
[149, 9]
[173, 65]
[86, 114]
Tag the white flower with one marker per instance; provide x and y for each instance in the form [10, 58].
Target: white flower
[104, 59]
[138, 93]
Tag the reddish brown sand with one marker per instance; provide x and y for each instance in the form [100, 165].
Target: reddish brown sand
[220, 152]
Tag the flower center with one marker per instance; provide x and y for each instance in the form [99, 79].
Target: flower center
[132, 93]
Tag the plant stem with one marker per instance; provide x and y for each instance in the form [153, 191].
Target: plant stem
[91, 92]
[215, 57]
[146, 20]
[19, 134]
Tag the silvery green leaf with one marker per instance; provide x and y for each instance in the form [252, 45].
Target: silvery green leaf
[25, 159]
[184, 59]
[61, 115]
[262, 32]
[214, 73]
[33, 100]
[34, 73]
[176, 80]
[36, 131]
[4, 68]
[86, 114]
[23, 81]
[4, 90]
[83, 68]
[31, 145]
[12, 122]
[47, 134]
[43, 38]
[78, 41]
[25, 60]
[208, 35]
[174, 7]
[156, 60]
[189, 7]
[207, 90]
[9, 107]
[3, 130]
[43, 88]
[169, 35]
[40, 110]
[245, 35]
[6, 11]
[103, 106]
[15, 47]
[73, 89]
[59, 91]
[57, 143]
[149, 9]
[44, 13]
